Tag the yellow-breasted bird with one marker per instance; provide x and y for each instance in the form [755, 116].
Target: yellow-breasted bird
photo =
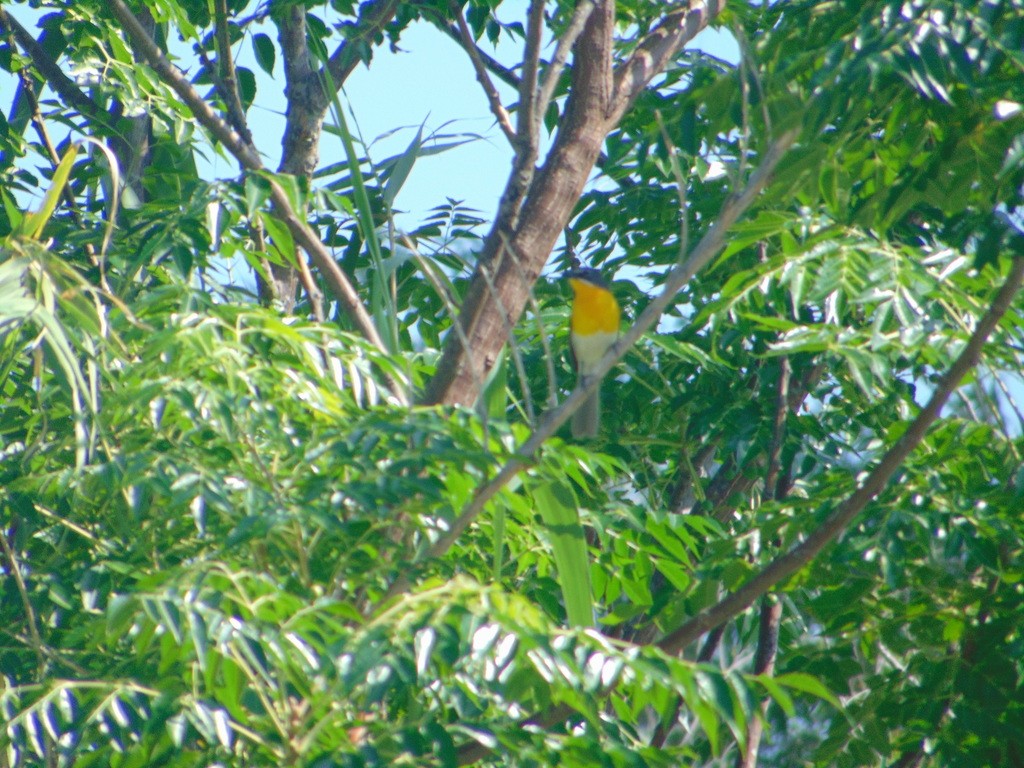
[594, 327]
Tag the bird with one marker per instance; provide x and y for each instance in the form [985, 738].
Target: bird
[593, 328]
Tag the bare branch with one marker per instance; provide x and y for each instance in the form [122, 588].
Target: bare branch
[800, 555]
[227, 80]
[528, 127]
[495, 67]
[373, 17]
[659, 47]
[562, 49]
[497, 108]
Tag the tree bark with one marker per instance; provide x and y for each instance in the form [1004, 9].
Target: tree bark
[308, 94]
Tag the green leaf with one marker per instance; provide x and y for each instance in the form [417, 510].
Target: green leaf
[280, 239]
[33, 224]
[800, 681]
[556, 506]
[402, 168]
[266, 52]
[495, 394]
[257, 190]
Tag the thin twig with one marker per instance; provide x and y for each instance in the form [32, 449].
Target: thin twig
[771, 476]
[543, 335]
[429, 272]
[746, 59]
[744, 137]
[495, 67]
[497, 108]
[545, 343]
[681, 187]
[1012, 403]
[513, 347]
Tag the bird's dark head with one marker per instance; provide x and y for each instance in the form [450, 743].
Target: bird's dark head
[587, 275]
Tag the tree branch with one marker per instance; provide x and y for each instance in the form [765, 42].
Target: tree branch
[494, 66]
[562, 49]
[373, 17]
[493, 99]
[227, 80]
[304, 94]
[764, 664]
[309, 92]
[306, 106]
[531, 216]
[528, 127]
[65, 87]
[800, 555]
[659, 47]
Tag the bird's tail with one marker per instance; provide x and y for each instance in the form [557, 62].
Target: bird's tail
[587, 418]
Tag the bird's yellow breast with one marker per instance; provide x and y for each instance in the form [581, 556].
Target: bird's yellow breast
[594, 309]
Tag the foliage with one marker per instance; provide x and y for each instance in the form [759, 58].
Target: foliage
[225, 540]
